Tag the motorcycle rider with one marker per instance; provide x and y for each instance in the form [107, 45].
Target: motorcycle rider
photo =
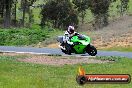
[68, 34]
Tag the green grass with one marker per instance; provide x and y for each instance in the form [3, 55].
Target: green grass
[29, 36]
[130, 7]
[15, 74]
[120, 48]
[22, 36]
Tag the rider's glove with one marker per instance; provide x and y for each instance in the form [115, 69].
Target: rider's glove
[71, 43]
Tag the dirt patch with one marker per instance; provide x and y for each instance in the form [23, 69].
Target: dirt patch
[55, 60]
[12, 54]
[54, 45]
[51, 60]
[117, 33]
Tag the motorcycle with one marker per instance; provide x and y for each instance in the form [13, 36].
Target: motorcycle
[81, 45]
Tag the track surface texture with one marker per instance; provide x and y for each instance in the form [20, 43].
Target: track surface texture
[50, 51]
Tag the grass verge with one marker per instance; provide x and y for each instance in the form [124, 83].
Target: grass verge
[120, 48]
[23, 36]
[28, 37]
[14, 74]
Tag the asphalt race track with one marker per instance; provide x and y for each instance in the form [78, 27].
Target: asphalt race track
[51, 51]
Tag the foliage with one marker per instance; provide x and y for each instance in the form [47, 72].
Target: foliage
[57, 13]
[60, 13]
[100, 8]
[25, 7]
[81, 6]
[22, 36]
[123, 6]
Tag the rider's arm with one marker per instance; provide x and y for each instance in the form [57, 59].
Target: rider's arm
[76, 33]
[69, 37]
[66, 36]
[72, 40]
[69, 42]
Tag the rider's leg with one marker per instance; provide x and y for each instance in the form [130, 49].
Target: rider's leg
[62, 46]
[60, 39]
[68, 48]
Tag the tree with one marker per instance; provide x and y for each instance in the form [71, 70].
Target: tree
[14, 7]
[60, 13]
[123, 6]
[1, 8]
[7, 12]
[6, 6]
[100, 8]
[25, 6]
[81, 6]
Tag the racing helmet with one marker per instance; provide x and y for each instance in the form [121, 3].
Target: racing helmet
[70, 29]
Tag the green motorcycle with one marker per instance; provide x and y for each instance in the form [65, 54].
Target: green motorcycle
[81, 45]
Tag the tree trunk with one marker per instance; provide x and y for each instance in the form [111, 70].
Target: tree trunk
[7, 15]
[15, 15]
[24, 11]
[30, 17]
[14, 20]
[2, 14]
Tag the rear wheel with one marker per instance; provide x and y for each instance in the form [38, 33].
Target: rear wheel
[91, 50]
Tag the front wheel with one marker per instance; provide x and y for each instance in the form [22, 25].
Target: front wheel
[91, 50]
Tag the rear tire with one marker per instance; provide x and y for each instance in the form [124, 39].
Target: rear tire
[91, 50]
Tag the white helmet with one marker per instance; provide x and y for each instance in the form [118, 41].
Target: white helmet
[70, 29]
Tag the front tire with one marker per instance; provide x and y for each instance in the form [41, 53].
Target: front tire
[91, 50]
